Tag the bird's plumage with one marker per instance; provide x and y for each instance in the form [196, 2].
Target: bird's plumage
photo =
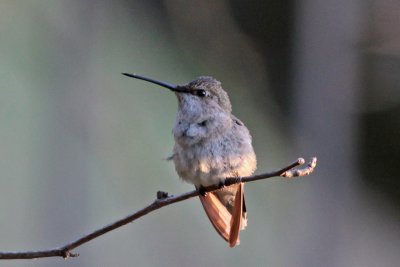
[210, 145]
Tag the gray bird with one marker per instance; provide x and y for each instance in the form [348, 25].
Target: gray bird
[211, 144]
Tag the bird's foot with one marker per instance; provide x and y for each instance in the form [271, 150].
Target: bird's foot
[221, 184]
[202, 191]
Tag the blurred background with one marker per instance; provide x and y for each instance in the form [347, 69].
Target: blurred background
[82, 146]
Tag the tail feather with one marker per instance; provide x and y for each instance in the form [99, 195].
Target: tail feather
[218, 214]
[236, 220]
[227, 220]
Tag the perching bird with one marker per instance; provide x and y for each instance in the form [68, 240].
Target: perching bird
[211, 144]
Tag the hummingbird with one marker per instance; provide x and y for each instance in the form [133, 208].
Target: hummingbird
[211, 144]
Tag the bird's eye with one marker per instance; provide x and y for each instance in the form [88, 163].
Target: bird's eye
[201, 93]
[203, 123]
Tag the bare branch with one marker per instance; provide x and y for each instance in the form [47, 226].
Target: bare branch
[163, 199]
[302, 171]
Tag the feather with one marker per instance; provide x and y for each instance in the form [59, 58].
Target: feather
[227, 220]
[236, 220]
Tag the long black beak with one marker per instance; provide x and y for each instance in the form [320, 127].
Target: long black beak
[172, 87]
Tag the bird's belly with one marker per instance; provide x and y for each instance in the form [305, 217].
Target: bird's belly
[205, 166]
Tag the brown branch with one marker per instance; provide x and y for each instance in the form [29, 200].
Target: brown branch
[163, 199]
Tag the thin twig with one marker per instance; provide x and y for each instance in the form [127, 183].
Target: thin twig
[163, 199]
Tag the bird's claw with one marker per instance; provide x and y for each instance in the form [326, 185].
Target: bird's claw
[221, 184]
[202, 191]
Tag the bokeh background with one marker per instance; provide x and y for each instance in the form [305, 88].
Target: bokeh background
[81, 145]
